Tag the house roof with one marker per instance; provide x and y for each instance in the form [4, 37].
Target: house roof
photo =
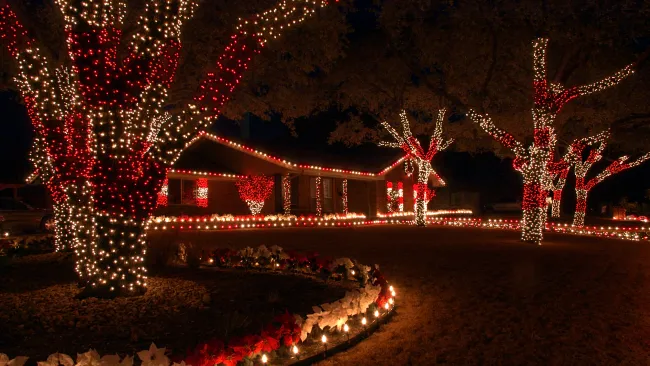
[200, 157]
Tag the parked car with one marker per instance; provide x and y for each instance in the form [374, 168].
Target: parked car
[504, 206]
[20, 217]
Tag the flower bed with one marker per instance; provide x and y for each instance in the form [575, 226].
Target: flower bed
[288, 337]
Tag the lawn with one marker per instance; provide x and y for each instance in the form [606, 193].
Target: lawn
[470, 296]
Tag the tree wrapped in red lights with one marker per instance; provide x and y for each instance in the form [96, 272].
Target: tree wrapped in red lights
[559, 170]
[582, 167]
[254, 190]
[411, 146]
[104, 140]
[532, 162]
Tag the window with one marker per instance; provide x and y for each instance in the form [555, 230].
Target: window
[181, 192]
[312, 193]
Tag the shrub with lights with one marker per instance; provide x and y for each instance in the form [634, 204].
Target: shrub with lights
[104, 142]
[254, 190]
[411, 146]
[532, 161]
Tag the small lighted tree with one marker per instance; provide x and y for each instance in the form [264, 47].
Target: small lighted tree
[531, 162]
[411, 146]
[582, 167]
[559, 170]
[254, 190]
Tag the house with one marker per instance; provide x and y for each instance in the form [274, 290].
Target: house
[203, 181]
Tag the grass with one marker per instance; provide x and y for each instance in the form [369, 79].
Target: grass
[470, 296]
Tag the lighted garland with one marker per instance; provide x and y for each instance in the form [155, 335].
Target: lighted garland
[286, 194]
[411, 146]
[344, 197]
[532, 162]
[319, 195]
[99, 122]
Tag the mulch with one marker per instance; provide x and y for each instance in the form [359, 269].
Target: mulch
[40, 315]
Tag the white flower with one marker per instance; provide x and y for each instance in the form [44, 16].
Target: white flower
[153, 357]
[57, 359]
[18, 361]
[90, 358]
[262, 251]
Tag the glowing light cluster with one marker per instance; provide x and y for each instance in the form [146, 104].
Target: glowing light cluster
[163, 195]
[532, 162]
[202, 192]
[254, 190]
[411, 146]
[103, 142]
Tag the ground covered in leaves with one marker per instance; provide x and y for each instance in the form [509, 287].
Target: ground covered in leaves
[480, 297]
[40, 315]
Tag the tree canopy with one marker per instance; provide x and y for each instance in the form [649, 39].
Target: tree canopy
[423, 55]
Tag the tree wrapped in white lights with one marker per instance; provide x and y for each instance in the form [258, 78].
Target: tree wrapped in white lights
[549, 98]
[104, 141]
[582, 167]
[411, 146]
[559, 170]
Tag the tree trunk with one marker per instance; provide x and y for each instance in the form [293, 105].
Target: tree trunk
[581, 208]
[555, 204]
[424, 170]
[119, 258]
[534, 209]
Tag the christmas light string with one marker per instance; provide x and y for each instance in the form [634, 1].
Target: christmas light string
[549, 98]
[319, 196]
[105, 140]
[344, 198]
[286, 194]
[411, 146]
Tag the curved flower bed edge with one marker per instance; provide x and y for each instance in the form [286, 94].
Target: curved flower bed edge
[281, 339]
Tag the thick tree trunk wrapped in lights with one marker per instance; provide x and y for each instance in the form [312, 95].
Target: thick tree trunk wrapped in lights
[104, 140]
[407, 142]
[582, 167]
[254, 190]
[533, 162]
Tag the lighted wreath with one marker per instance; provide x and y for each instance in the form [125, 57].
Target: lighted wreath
[254, 190]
